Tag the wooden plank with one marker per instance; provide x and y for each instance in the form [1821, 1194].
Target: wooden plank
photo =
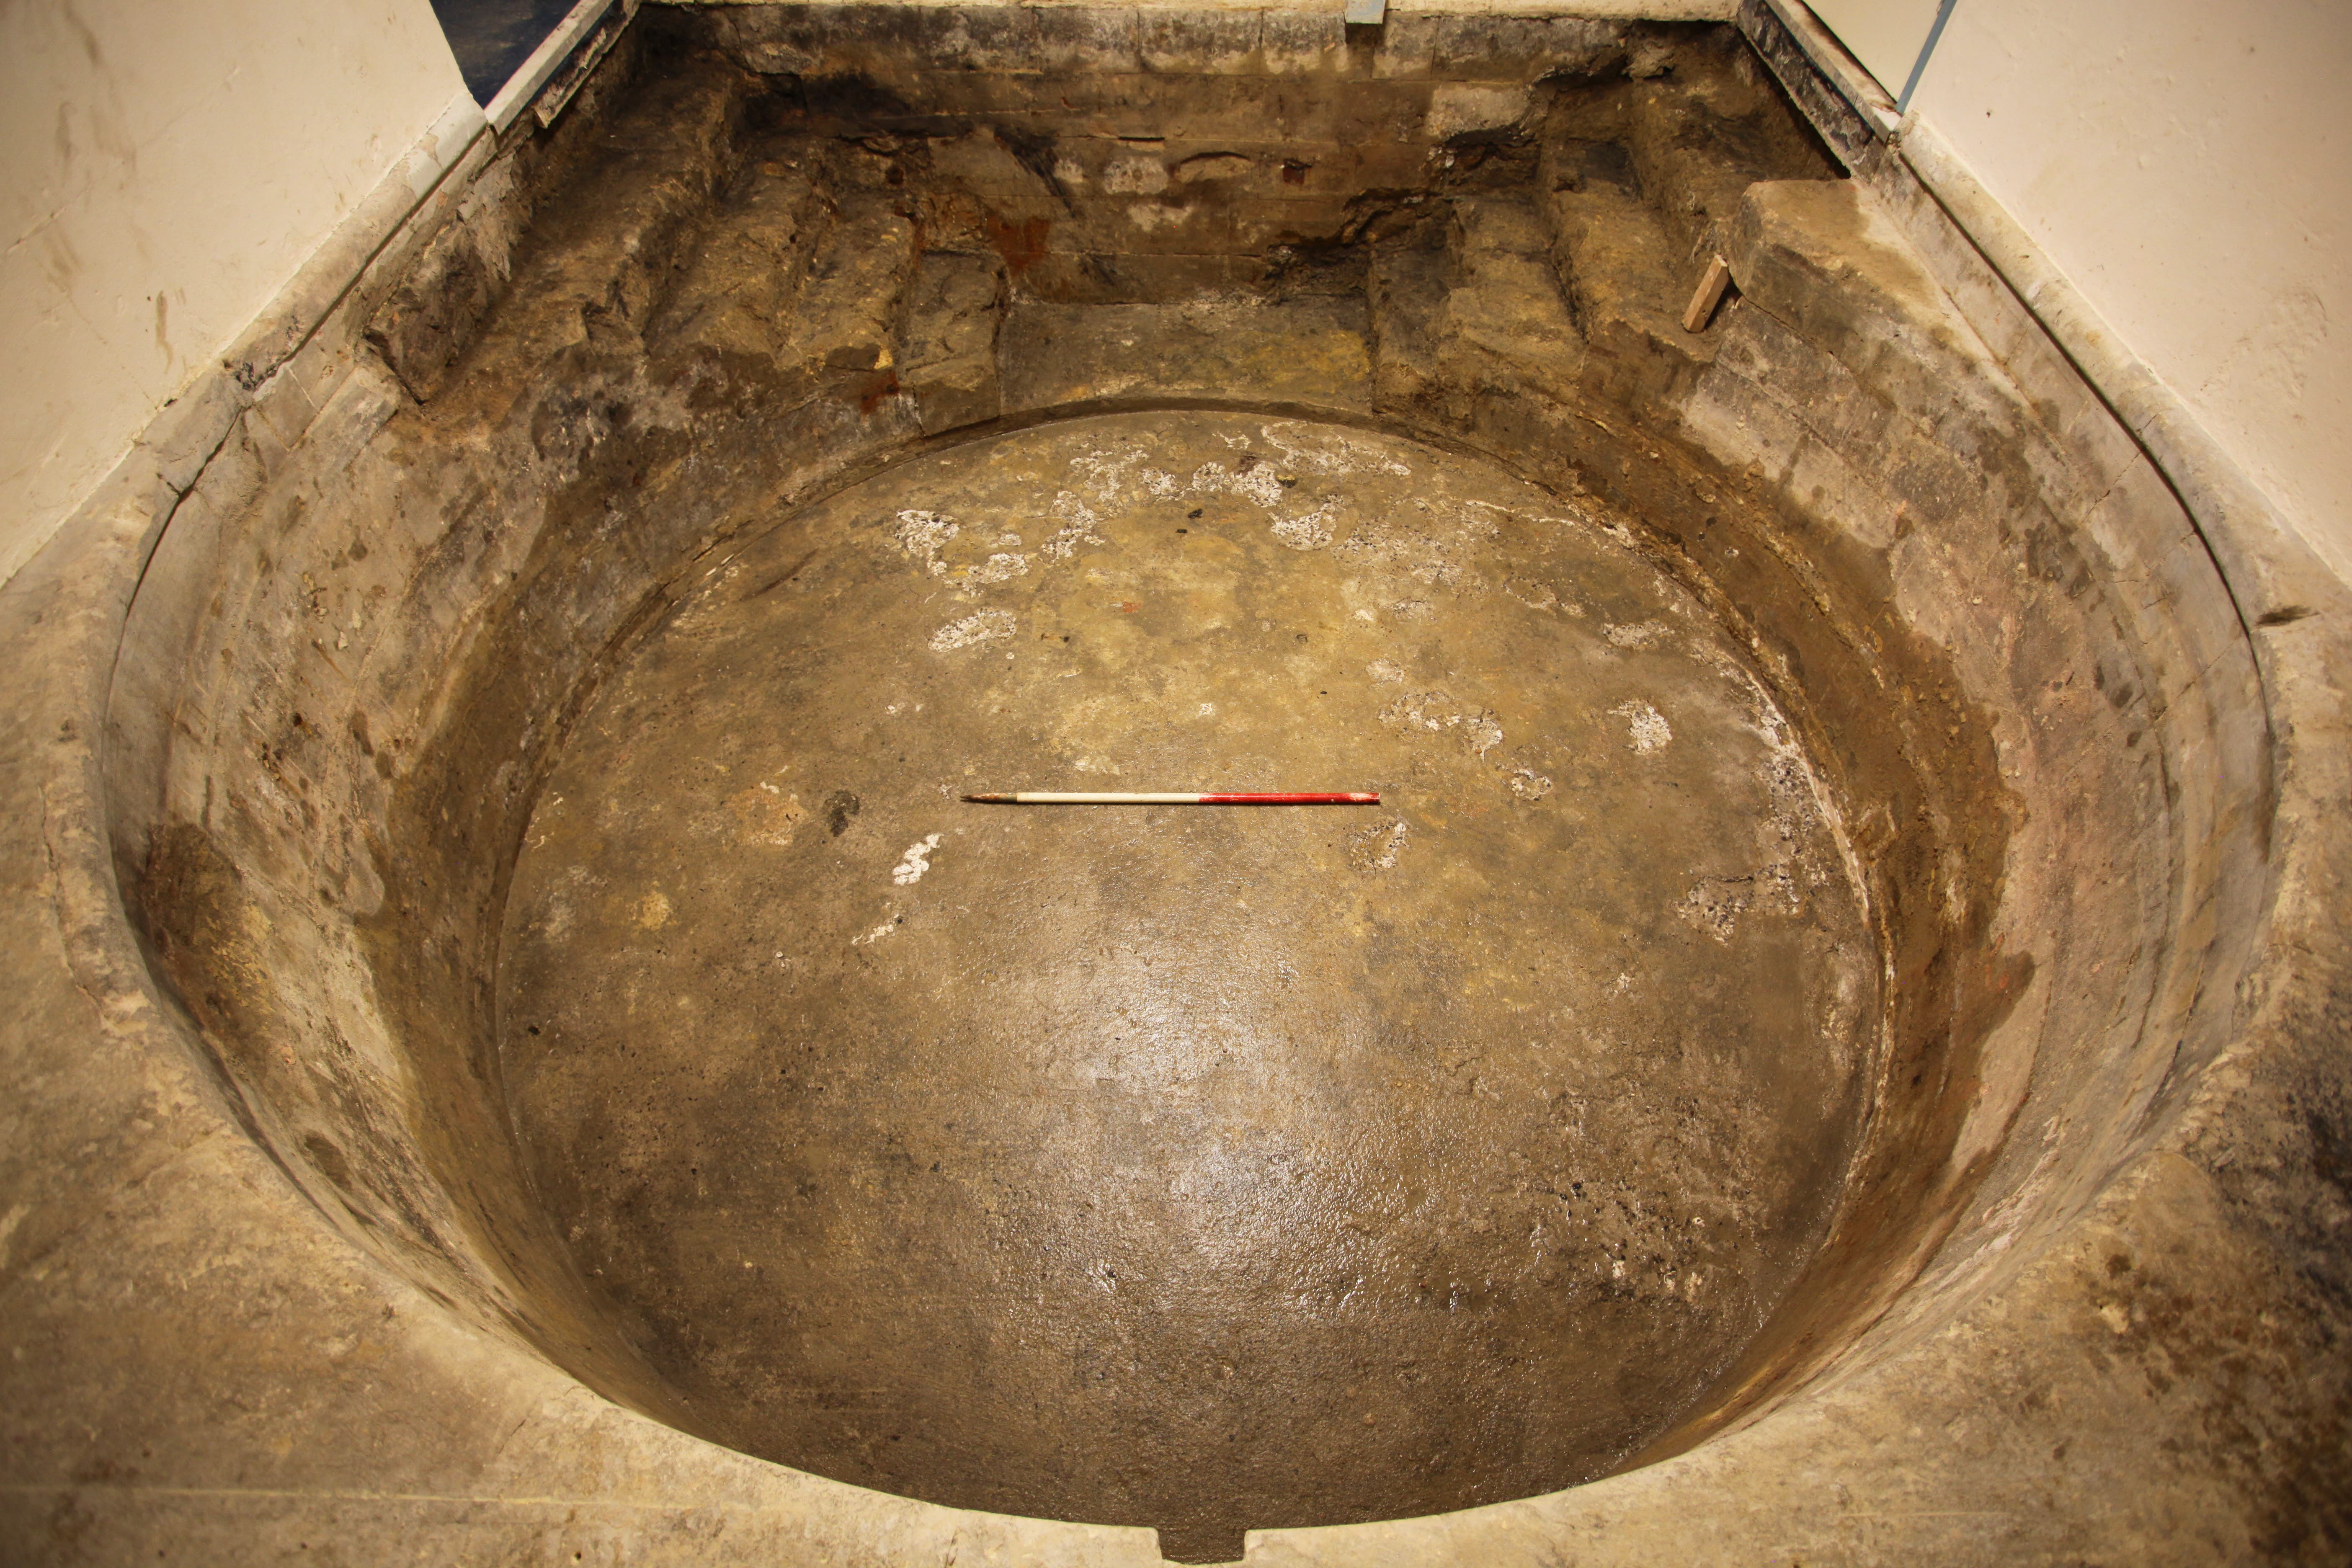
[1710, 294]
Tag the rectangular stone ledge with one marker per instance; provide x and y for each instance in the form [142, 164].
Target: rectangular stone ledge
[1871, 478]
[1311, 351]
[1733, 419]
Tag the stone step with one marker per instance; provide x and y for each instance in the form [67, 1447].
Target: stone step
[1627, 287]
[1308, 352]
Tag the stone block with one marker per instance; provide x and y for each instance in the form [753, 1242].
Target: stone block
[946, 353]
[1819, 257]
[849, 306]
[190, 428]
[1741, 424]
[1505, 310]
[1311, 351]
[1500, 49]
[1621, 276]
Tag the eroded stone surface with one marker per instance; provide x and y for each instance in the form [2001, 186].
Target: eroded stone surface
[1194, 1168]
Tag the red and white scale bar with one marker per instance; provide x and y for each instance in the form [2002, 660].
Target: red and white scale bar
[1064, 798]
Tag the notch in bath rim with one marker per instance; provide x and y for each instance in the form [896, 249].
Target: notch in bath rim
[1099, 797]
[1366, 13]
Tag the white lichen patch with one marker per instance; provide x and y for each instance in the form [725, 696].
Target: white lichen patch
[1377, 848]
[1529, 784]
[1309, 530]
[1435, 712]
[1252, 480]
[1648, 730]
[1096, 765]
[1149, 216]
[918, 860]
[1534, 595]
[1480, 519]
[878, 932]
[1422, 710]
[922, 535]
[1078, 521]
[997, 568]
[1716, 905]
[1641, 635]
[1107, 467]
[1385, 669]
[984, 626]
[1432, 545]
[1135, 176]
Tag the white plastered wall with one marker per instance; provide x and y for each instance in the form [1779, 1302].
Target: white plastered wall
[164, 169]
[2188, 166]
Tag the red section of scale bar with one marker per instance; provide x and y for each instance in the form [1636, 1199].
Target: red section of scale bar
[1290, 800]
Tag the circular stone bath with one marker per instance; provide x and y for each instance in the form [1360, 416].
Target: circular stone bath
[1830, 1039]
[1189, 1167]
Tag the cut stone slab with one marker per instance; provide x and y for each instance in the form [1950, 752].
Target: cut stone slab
[1312, 352]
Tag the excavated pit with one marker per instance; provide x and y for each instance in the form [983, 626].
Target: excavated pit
[555, 835]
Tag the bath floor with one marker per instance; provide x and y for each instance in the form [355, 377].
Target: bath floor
[1200, 1168]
